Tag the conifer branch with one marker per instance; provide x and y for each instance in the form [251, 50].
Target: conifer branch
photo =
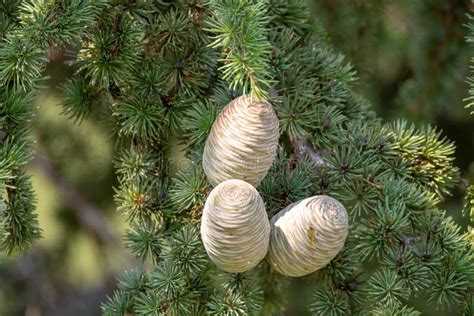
[163, 71]
[303, 148]
[470, 80]
[239, 28]
[29, 31]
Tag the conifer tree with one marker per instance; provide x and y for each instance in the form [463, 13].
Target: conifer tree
[411, 48]
[469, 198]
[161, 71]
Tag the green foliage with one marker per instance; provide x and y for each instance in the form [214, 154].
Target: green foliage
[395, 309]
[198, 122]
[18, 221]
[82, 98]
[111, 49]
[329, 302]
[378, 236]
[400, 75]
[295, 118]
[122, 301]
[188, 190]
[181, 246]
[138, 162]
[285, 183]
[239, 295]
[428, 154]
[21, 62]
[239, 27]
[470, 80]
[137, 199]
[386, 286]
[29, 31]
[140, 118]
[53, 24]
[409, 270]
[161, 72]
[469, 202]
[143, 239]
[172, 287]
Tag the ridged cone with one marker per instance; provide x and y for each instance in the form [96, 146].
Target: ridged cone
[234, 227]
[242, 143]
[306, 235]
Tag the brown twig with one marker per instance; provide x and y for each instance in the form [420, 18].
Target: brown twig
[48, 292]
[3, 135]
[303, 147]
[89, 215]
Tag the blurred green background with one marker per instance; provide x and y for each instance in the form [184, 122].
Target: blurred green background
[412, 60]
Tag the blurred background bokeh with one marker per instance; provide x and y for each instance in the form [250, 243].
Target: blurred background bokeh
[412, 61]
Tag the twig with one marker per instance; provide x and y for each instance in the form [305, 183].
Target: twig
[303, 147]
[87, 213]
[3, 135]
[49, 292]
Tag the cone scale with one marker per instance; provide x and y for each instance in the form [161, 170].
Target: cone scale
[242, 143]
[306, 235]
[234, 227]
